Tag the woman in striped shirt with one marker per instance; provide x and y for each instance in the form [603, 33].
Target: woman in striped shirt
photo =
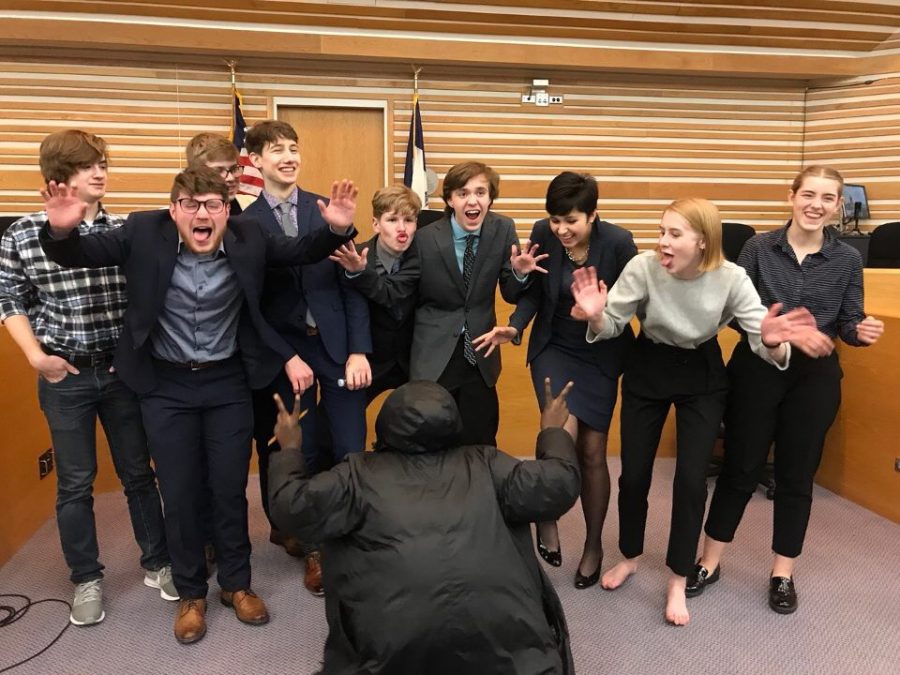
[800, 265]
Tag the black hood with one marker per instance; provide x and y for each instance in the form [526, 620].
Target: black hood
[419, 417]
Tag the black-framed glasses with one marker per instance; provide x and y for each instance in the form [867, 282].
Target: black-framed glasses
[235, 170]
[191, 205]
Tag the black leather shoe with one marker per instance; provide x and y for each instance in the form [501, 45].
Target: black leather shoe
[551, 557]
[699, 579]
[582, 581]
[782, 595]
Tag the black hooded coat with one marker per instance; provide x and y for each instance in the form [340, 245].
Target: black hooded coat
[428, 560]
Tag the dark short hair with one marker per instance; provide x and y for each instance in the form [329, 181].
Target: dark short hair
[198, 180]
[460, 174]
[64, 153]
[209, 147]
[268, 131]
[571, 191]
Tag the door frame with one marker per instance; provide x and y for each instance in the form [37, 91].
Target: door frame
[365, 103]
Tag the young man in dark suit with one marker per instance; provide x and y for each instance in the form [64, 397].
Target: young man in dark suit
[386, 271]
[194, 342]
[463, 256]
[313, 309]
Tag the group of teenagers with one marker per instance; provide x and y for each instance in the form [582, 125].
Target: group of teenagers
[195, 330]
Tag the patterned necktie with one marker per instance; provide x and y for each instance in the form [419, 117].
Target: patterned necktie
[468, 266]
[285, 220]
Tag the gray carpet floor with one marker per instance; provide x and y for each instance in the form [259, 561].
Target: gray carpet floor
[848, 621]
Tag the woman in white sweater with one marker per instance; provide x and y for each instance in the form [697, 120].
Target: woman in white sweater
[683, 294]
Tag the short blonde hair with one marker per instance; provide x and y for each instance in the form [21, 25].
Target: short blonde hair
[398, 199]
[704, 218]
[209, 147]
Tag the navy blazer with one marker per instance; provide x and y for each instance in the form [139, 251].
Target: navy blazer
[341, 313]
[146, 247]
[611, 247]
[392, 306]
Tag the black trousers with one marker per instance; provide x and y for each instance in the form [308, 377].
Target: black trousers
[199, 426]
[694, 381]
[477, 402]
[792, 409]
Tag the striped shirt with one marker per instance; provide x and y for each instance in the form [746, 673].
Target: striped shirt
[73, 311]
[829, 282]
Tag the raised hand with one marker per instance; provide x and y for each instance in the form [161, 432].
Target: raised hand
[299, 374]
[524, 260]
[869, 330]
[589, 293]
[776, 329]
[555, 412]
[287, 424]
[498, 335]
[350, 259]
[65, 210]
[341, 207]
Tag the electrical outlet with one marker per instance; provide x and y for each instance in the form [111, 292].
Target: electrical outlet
[542, 98]
[556, 99]
[45, 463]
[527, 98]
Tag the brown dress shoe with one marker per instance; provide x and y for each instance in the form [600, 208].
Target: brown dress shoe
[248, 607]
[190, 624]
[291, 544]
[312, 579]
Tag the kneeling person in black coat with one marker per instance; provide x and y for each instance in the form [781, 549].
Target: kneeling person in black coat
[428, 555]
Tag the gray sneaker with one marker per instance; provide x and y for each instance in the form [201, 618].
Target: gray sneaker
[162, 579]
[87, 607]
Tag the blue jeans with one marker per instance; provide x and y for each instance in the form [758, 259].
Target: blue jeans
[71, 407]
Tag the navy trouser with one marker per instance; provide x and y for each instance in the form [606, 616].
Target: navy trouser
[71, 407]
[793, 409]
[200, 425]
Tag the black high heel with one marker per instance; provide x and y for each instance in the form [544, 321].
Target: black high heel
[582, 581]
[553, 558]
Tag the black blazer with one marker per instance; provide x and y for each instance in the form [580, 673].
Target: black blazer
[611, 248]
[392, 305]
[341, 313]
[146, 247]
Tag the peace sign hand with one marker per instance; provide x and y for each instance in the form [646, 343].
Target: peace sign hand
[287, 424]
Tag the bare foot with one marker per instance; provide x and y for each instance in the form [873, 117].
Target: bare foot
[616, 575]
[676, 605]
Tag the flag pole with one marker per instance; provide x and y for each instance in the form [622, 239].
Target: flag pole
[232, 63]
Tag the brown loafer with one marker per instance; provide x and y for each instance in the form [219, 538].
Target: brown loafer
[290, 544]
[190, 624]
[312, 579]
[248, 607]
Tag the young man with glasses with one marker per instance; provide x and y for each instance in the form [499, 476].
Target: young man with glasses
[67, 322]
[219, 154]
[194, 343]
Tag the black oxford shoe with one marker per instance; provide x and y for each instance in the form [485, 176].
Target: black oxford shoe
[782, 595]
[699, 579]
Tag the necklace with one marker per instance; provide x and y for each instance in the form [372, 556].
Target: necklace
[580, 260]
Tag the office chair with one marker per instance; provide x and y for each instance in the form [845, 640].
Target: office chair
[734, 236]
[428, 216]
[884, 246]
[6, 221]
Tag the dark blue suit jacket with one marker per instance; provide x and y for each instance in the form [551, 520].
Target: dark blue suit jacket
[611, 248]
[146, 246]
[341, 313]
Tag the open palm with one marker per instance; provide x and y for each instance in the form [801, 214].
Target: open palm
[64, 209]
[341, 208]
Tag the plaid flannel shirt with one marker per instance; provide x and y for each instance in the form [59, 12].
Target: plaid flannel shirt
[74, 311]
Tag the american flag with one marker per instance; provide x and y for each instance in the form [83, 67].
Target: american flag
[251, 182]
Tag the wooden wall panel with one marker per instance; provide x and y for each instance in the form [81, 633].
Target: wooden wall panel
[855, 127]
[647, 139]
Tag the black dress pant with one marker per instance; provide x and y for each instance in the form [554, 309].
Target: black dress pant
[199, 426]
[656, 377]
[477, 402]
[793, 409]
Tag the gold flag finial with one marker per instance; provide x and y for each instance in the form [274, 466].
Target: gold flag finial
[416, 72]
[231, 63]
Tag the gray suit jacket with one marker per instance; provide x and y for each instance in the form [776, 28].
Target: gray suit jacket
[445, 306]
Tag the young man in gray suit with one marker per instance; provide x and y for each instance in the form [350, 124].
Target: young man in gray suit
[463, 256]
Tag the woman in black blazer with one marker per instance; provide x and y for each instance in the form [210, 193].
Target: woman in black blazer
[573, 237]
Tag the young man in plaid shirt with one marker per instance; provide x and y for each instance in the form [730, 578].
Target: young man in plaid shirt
[67, 323]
